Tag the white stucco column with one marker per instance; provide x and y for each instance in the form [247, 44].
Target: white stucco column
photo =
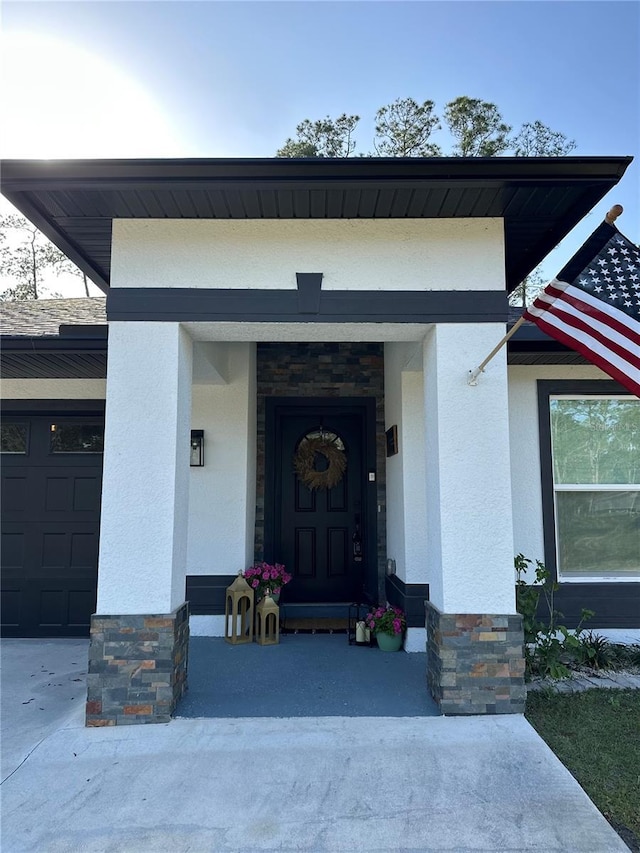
[145, 495]
[469, 515]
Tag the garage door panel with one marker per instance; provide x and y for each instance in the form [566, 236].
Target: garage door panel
[14, 491]
[50, 533]
[73, 491]
[65, 604]
[11, 608]
[81, 604]
[84, 551]
[87, 493]
[56, 551]
[13, 550]
[52, 608]
[72, 553]
[44, 607]
[52, 494]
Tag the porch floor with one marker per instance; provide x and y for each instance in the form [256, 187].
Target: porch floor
[305, 675]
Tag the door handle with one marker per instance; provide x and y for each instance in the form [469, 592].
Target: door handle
[356, 542]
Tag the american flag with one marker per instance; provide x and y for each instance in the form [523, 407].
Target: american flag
[593, 306]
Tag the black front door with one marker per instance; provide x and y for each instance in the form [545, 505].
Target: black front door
[322, 535]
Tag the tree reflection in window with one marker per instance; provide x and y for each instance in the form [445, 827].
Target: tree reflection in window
[77, 438]
[13, 438]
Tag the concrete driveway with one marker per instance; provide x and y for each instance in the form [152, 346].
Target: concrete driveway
[329, 784]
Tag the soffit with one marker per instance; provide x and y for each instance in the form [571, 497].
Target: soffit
[540, 199]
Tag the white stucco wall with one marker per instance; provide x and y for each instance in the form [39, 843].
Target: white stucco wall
[526, 487]
[406, 495]
[357, 254]
[53, 389]
[222, 493]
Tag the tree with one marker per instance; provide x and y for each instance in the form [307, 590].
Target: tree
[477, 127]
[527, 290]
[27, 258]
[535, 139]
[326, 137]
[403, 129]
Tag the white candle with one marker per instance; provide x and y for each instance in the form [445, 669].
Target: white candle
[361, 633]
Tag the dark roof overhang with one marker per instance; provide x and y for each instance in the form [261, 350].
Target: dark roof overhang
[540, 199]
[77, 352]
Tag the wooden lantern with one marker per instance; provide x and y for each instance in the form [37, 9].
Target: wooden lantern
[238, 612]
[267, 621]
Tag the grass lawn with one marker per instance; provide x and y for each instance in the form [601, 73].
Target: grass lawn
[596, 735]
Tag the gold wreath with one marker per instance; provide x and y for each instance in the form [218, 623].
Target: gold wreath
[304, 463]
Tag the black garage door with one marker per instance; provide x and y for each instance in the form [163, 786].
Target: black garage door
[51, 485]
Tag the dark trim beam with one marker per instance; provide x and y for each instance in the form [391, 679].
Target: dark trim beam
[206, 594]
[283, 306]
[43, 407]
[411, 597]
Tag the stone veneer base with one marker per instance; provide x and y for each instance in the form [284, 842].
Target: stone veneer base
[475, 662]
[137, 667]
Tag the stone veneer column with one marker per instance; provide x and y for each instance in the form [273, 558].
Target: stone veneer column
[475, 662]
[139, 636]
[137, 668]
[474, 635]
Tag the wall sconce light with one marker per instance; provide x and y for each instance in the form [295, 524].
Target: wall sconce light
[197, 448]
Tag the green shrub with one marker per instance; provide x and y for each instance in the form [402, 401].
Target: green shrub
[550, 648]
[595, 650]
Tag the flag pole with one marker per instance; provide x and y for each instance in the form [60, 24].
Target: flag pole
[613, 214]
[474, 374]
[472, 379]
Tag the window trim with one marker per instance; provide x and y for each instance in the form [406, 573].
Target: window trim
[590, 388]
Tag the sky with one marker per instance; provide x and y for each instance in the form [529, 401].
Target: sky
[233, 79]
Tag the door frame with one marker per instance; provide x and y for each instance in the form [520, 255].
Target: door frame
[277, 408]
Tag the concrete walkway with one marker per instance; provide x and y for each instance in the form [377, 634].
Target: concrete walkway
[318, 784]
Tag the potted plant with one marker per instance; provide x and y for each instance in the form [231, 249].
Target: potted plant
[388, 624]
[266, 576]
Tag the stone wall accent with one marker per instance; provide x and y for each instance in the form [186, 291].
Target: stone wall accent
[475, 662]
[137, 667]
[322, 370]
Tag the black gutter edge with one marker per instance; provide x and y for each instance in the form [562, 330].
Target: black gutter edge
[26, 343]
[25, 174]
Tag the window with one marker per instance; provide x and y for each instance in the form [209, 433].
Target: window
[76, 438]
[14, 438]
[595, 446]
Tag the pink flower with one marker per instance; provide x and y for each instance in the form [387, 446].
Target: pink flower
[265, 576]
[255, 583]
[397, 626]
